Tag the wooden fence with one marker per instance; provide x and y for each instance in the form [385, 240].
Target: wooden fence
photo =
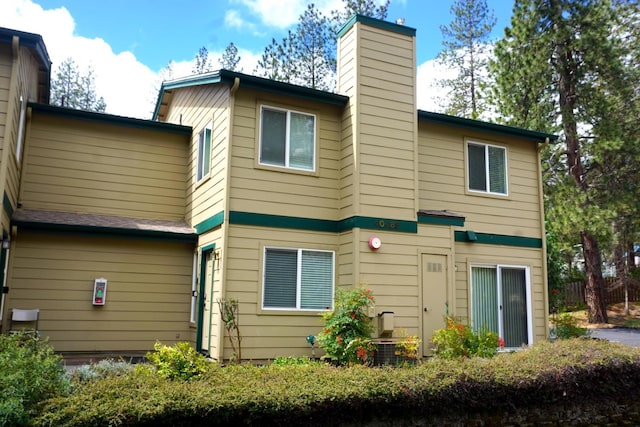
[573, 293]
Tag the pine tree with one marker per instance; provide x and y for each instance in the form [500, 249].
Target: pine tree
[73, 89]
[230, 58]
[466, 49]
[564, 67]
[202, 62]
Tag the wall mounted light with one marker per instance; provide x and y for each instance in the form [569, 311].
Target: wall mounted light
[375, 243]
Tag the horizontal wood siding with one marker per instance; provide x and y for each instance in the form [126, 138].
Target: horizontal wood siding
[393, 271]
[280, 191]
[269, 334]
[467, 253]
[148, 293]
[197, 107]
[442, 182]
[386, 123]
[79, 166]
[5, 82]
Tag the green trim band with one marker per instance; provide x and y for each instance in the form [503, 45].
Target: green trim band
[210, 223]
[107, 231]
[323, 225]
[6, 204]
[499, 239]
[440, 220]
[373, 22]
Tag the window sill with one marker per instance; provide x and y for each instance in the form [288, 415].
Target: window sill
[284, 169]
[203, 180]
[263, 311]
[488, 195]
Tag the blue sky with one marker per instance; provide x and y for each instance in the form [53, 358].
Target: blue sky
[127, 42]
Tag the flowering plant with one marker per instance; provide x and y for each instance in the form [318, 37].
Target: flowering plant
[408, 346]
[346, 323]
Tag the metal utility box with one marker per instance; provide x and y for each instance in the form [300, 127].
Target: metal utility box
[99, 291]
[385, 323]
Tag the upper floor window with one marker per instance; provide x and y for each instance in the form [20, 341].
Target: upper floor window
[487, 168]
[287, 139]
[298, 279]
[204, 152]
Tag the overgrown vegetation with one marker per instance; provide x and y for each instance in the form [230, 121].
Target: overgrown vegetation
[230, 315]
[29, 373]
[457, 340]
[565, 326]
[321, 394]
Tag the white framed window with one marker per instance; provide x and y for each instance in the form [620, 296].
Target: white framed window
[487, 168]
[297, 279]
[287, 138]
[501, 302]
[204, 152]
[19, 141]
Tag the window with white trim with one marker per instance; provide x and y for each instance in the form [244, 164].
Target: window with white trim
[287, 138]
[487, 168]
[297, 279]
[501, 302]
[204, 152]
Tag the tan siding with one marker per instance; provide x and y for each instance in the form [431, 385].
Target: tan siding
[279, 191]
[442, 183]
[268, 334]
[148, 291]
[467, 253]
[205, 104]
[79, 166]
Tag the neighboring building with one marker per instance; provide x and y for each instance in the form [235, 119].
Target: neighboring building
[276, 195]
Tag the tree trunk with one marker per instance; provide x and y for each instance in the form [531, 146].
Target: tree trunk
[595, 281]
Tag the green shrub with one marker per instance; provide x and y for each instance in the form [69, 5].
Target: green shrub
[346, 336]
[292, 361]
[558, 373]
[102, 369]
[566, 326]
[180, 362]
[459, 340]
[29, 373]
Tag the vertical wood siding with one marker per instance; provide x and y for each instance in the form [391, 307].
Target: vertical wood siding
[148, 292]
[79, 166]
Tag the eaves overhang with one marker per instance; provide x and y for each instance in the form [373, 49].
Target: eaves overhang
[496, 129]
[249, 82]
[110, 119]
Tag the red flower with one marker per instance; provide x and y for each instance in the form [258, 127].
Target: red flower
[353, 316]
[361, 353]
[500, 342]
[555, 291]
[339, 338]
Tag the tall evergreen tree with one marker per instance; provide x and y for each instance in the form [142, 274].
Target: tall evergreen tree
[202, 63]
[563, 66]
[74, 89]
[466, 49]
[230, 58]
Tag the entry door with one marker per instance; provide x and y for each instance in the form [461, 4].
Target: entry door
[434, 297]
[205, 294]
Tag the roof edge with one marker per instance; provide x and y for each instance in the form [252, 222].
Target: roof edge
[31, 40]
[377, 23]
[110, 119]
[445, 119]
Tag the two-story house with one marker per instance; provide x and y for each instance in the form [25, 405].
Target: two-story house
[276, 195]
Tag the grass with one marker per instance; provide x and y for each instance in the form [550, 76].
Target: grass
[617, 317]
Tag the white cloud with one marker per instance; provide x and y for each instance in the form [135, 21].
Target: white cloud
[428, 91]
[276, 13]
[123, 81]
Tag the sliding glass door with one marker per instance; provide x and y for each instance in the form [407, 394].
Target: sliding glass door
[500, 302]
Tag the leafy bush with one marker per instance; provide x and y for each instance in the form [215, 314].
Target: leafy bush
[347, 334]
[180, 362]
[292, 361]
[29, 373]
[319, 394]
[566, 326]
[459, 340]
[102, 369]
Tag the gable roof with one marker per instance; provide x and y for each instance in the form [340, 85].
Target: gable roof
[35, 43]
